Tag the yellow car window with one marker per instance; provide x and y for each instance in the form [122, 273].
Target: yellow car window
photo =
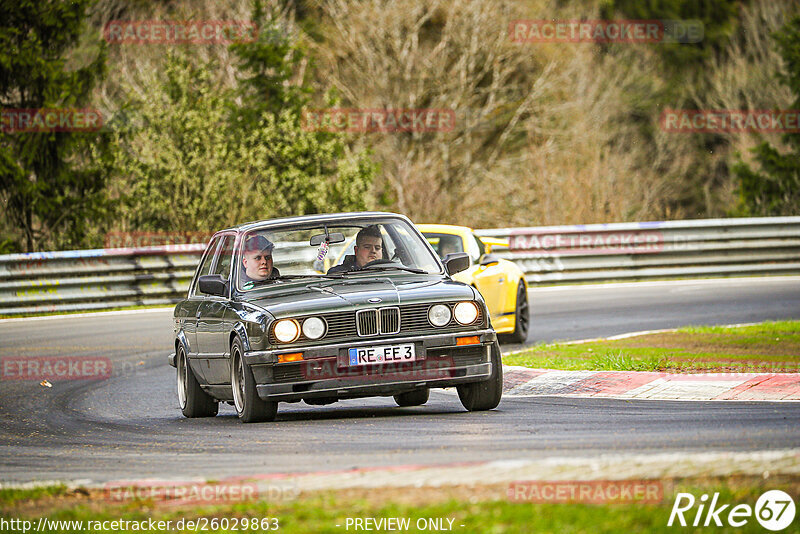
[444, 244]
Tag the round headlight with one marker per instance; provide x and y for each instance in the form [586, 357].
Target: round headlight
[439, 315]
[286, 330]
[466, 312]
[313, 328]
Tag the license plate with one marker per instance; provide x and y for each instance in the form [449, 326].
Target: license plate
[382, 354]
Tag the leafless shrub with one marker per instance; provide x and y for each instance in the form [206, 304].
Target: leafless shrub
[548, 137]
[545, 133]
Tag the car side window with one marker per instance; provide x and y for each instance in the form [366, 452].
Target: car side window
[205, 266]
[225, 257]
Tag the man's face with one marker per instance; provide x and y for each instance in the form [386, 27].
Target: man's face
[258, 265]
[370, 250]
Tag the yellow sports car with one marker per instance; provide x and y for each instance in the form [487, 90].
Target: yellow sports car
[500, 281]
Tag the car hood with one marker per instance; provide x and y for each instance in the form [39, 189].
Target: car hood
[328, 296]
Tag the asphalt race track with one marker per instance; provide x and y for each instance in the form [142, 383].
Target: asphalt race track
[129, 426]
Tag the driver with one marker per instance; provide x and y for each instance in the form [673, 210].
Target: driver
[369, 247]
[448, 246]
[257, 261]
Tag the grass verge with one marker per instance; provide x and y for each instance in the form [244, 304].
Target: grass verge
[462, 509]
[772, 347]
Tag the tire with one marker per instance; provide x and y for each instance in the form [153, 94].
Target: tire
[249, 406]
[480, 396]
[522, 316]
[418, 397]
[194, 402]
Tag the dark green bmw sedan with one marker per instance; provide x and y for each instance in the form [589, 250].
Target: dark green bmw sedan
[327, 307]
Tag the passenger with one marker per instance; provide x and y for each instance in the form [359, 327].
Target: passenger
[257, 261]
[369, 247]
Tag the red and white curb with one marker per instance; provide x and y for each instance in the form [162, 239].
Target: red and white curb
[524, 382]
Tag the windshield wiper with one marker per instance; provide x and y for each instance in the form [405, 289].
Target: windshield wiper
[400, 267]
[300, 276]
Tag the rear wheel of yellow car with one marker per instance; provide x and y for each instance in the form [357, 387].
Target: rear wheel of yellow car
[522, 316]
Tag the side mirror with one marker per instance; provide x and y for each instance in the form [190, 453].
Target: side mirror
[456, 262]
[489, 259]
[213, 284]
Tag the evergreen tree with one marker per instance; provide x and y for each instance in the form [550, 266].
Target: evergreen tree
[51, 182]
[718, 18]
[266, 68]
[299, 171]
[774, 189]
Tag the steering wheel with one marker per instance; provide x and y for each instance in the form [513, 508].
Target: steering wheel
[379, 261]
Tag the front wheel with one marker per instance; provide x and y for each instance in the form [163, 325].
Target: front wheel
[480, 396]
[193, 400]
[249, 406]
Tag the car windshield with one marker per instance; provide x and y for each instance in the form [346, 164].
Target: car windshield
[275, 254]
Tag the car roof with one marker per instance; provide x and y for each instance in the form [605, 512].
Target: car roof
[445, 229]
[302, 219]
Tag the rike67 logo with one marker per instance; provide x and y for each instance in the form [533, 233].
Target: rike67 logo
[774, 510]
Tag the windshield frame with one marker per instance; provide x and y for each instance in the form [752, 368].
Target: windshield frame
[361, 220]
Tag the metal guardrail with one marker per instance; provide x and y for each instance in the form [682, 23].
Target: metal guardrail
[106, 278]
[640, 251]
[95, 279]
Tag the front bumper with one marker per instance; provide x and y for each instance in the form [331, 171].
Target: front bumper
[324, 373]
[505, 323]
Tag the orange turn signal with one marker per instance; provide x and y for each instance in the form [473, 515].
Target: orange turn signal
[471, 340]
[291, 357]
